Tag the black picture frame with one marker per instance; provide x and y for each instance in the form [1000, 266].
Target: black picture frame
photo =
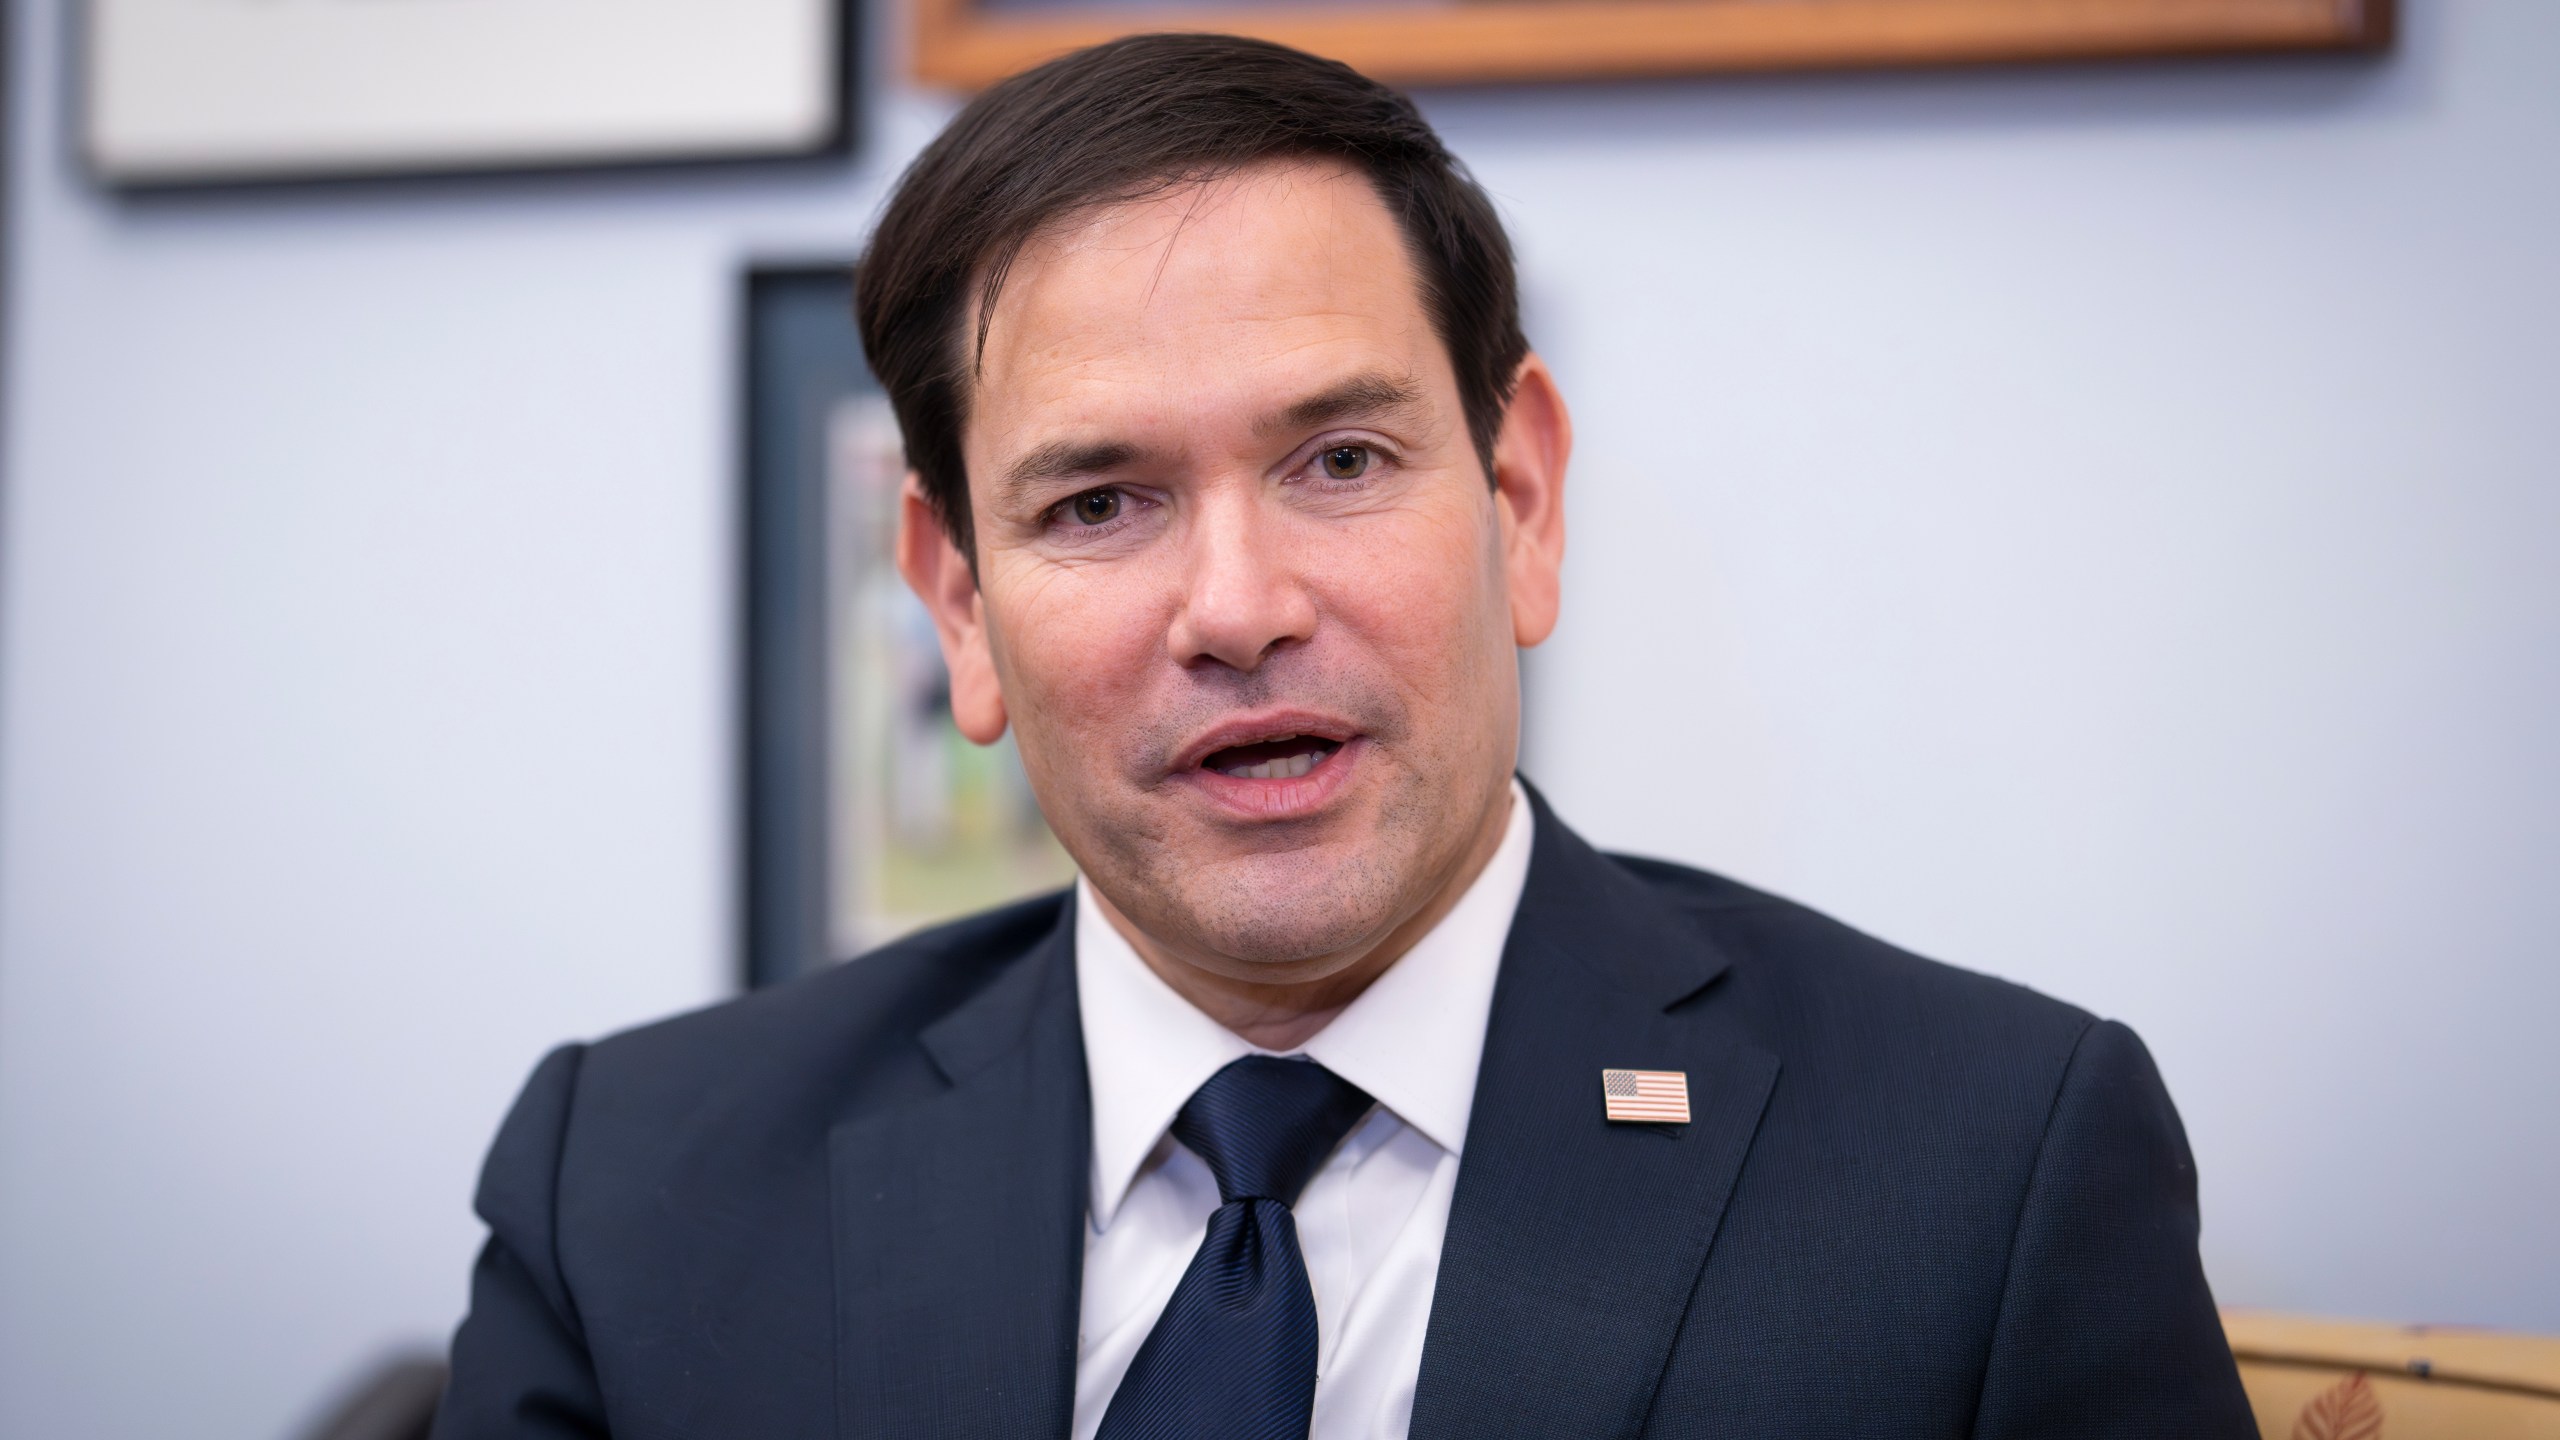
[864, 812]
[799, 356]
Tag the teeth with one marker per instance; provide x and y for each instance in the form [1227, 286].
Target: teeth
[1288, 769]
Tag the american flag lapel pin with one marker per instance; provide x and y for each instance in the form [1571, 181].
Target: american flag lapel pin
[1648, 1097]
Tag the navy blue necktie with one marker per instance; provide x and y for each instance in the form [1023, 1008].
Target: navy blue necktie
[1234, 1354]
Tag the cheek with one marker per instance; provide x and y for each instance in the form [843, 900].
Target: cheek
[1071, 648]
[1427, 592]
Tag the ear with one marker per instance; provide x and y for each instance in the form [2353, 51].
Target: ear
[1529, 460]
[940, 576]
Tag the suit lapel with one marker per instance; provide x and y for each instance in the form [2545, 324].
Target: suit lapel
[1573, 1244]
[959, 1222]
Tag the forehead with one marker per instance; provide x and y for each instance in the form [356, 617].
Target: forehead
[1207, 296]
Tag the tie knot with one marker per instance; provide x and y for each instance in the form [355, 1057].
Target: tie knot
[1264, 1124]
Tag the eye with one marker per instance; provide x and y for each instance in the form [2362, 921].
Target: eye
[1095, 507]
[1346, 462]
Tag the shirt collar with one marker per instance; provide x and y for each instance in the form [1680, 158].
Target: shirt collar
[1414, 1039]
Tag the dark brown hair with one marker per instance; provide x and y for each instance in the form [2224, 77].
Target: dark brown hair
[1126, 119]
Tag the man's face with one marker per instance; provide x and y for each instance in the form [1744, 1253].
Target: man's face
[1243, 590]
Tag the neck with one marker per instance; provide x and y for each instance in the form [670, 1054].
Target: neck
[1285, 1015]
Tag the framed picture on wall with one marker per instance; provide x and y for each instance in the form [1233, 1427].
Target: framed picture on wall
[971, 43]
[195, 92]
[866, 813]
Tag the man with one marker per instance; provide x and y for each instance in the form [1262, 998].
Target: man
[1349, 1093]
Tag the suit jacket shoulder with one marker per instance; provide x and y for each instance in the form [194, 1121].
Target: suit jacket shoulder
[1819, 990]
[1967, 1207]
[663, 1237]
[817, 1048]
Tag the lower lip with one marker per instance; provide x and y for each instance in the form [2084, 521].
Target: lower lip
[1295, 798]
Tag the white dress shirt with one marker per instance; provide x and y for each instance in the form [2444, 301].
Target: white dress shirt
[1371, 1221]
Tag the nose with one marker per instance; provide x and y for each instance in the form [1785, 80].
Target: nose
[1244, 599]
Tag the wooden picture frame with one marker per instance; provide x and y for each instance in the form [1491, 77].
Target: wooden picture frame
[970, 43]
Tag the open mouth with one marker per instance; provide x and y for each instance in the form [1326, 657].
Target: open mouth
[1284, 758]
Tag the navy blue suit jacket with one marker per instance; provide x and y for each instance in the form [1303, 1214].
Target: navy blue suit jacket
[1911, 1201]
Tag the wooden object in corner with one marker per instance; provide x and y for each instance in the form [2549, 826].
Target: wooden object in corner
[2311, 1378]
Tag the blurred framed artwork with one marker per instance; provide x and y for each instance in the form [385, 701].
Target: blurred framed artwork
[202, 92]
[971, 43]
[867, 813]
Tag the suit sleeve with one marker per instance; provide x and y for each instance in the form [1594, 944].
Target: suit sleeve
[521, 1370]
[2106, 1327]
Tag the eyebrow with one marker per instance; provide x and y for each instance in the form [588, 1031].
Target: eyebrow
[1065, 460]
[1367, 394]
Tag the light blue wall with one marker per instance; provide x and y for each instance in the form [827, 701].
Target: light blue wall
[2096, 526]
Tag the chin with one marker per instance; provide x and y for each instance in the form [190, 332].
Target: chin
[1279, 909]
